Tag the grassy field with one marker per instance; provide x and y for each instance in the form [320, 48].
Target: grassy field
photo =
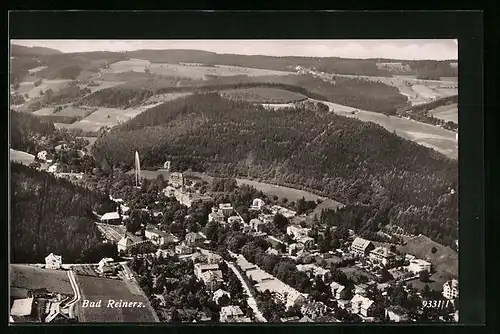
[186, 70]
[31, 277]
[444, 261]
[263, 95]
[44, 111]
[105, 289]
[74, 111]
[21, 157]
[446, 113]
[27, 87]
[443, 141]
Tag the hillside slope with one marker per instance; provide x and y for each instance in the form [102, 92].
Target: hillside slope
[338, 157]
[53, 215]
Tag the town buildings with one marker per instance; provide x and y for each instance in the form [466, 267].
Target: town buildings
[183, 250]
[450, 289]
[362, 306]
[275, 209]
[339, 291]
[396, 314]
[226, 209]
[53, 261]
[297, 231]
[176, 179]
[159, 237]
[111, 218]
[232, 314]
[418, 265]
[194, 239]
[382, 255]
[257, 204]
[361, 247]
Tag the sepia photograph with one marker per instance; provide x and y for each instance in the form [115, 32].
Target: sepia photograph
[233, 181]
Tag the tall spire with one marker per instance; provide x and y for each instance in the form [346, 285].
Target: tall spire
[137, 169]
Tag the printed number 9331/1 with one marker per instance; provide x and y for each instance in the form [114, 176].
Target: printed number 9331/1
[435, 303]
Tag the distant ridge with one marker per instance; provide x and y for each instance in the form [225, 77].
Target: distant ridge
[20, 51]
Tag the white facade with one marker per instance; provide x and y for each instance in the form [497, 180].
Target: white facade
[297, 231]
[418, 265]
[53, 261]
[257, 204]
[450, 289]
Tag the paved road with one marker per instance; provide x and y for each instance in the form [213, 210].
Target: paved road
[76, 297]
[251, 301]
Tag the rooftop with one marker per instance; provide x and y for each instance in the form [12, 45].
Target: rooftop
[360, 243]
[22, 307]
[110, 216]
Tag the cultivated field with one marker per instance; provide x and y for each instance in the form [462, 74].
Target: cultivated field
[21, 157]
[446, 113]
[74, 112]
[443, 141]
[44, 111]
[105, 289]
[32, 91]
[186, 70]
[263, 95]
[31, 277]
[106, 117]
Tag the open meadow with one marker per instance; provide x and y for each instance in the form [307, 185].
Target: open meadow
[106, 289]
[21, 157]
[27, 87]
[31, 277]
[446, 113]
[192, 71]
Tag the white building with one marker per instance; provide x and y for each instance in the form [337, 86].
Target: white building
[339, 291]
[275, 209]
[313, 270]
[226, 209]
[382, 255]
[125, 243]
[22, 307]
[53, 168]
[361, 247]
[362, 305]
[159, 237]
[286, 294]
[105, 266]
[53, 261]
[418, 265]
[257, 204]
[232, 314]
[297, 231]
[166, 165]
[111, 218]
[42, 155]
[450, 289]
[396, 314]
[183, 250]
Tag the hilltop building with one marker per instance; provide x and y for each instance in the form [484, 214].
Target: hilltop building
[361, 247]
[53, 261]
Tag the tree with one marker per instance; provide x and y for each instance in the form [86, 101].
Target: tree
[280, 222]
[424, 276]
[134, 222]
[433, 249]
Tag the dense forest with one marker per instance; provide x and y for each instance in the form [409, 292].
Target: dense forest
[54, 215]
[26, 129]
[354, 162]
[357, 93]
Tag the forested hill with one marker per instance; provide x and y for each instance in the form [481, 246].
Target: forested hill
[53, 215]
[354, 162]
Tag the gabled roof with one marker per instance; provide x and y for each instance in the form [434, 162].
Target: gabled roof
[110, 216]
[361, 243]
[22, 307]
[52, 256]
[126, 241]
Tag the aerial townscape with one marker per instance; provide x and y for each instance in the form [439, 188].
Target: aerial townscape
[187, 186]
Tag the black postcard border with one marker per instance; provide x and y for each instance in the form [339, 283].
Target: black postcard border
[467, 26]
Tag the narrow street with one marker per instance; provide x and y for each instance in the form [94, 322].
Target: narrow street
[251, 300]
